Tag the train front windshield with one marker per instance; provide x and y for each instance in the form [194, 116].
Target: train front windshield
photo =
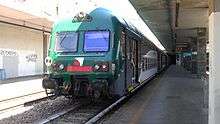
[66, 42]
[96, 41]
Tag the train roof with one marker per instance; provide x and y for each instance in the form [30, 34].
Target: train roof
[100, 14]
[104, 13]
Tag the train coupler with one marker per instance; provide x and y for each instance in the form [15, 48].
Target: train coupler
[48, 83]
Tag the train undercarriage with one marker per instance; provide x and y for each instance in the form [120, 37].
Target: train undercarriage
[76, 87]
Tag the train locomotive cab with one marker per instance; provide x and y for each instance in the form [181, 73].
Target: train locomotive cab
[80, 61]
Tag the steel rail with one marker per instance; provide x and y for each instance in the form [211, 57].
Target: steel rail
[99, 115]
[115, 104]
[25, 103]
[21, 96]
[105, 111]
[57, 115]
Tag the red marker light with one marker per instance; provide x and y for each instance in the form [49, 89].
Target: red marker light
[75, 67]
[79, 68]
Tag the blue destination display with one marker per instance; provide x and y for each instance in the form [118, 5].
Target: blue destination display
[96, 41]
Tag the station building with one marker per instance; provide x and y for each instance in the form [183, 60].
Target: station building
[23, 39]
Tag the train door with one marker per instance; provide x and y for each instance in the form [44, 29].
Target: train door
[131, 60]
[123, 44]
[134, 60]
[158, 60]
[130, 63]
[161, 61]
[126, 79]
[137, 59]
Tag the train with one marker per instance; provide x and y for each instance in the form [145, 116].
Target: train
[98, 54]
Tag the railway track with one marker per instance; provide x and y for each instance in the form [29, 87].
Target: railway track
[87, 113]
[21, 101]
[62, 110]
[4, 100]
[79, 113]
[84, 112]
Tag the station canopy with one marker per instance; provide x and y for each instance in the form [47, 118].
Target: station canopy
[176, 23]
[19, 18]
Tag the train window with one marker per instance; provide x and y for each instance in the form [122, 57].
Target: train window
[96, 41]
[133, 50]
[66, 42]
[150, 63]
[145, 63]
[128, 47]
[207, 61]
[122, 43]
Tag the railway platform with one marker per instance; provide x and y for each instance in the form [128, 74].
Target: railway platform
[14, 94]
[20, 88]
[174, 97]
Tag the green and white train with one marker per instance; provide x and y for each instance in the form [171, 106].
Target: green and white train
[99, 54]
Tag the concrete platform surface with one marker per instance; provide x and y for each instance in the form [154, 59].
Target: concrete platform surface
[20, 88]
[175, 97]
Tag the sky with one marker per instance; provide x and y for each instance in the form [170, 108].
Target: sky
[47, 9]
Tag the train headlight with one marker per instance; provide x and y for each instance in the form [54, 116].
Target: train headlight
[105, 67]
[113, 68]
[96, 67]
[61, 66]
[48, 61]
[101, 67]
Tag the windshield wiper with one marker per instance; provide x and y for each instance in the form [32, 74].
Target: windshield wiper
[62, 42]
